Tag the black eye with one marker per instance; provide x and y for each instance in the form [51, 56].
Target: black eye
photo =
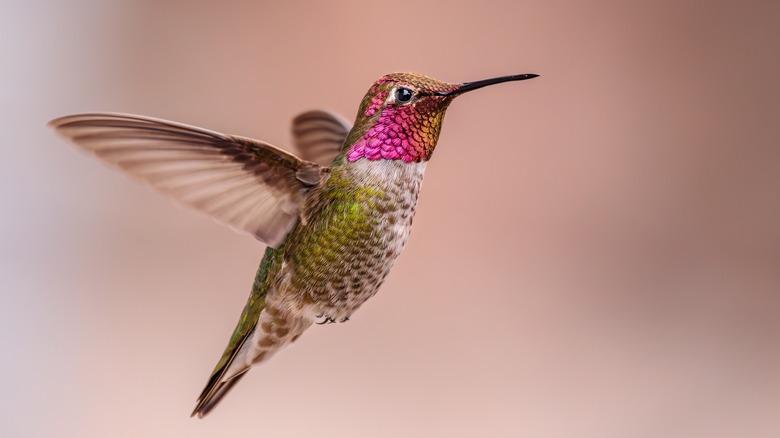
[403, 95]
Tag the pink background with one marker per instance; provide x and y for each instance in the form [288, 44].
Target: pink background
[596, 252]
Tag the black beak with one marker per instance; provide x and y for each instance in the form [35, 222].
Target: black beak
[470, 86]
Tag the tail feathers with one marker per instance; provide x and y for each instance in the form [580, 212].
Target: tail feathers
[272, 332]
[208, 400]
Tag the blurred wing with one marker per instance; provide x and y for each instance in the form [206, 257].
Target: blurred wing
[318, 135]
[245, 184]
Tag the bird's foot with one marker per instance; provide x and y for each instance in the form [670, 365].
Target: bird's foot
[325, 319]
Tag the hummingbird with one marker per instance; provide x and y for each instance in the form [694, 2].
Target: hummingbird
[334, 218]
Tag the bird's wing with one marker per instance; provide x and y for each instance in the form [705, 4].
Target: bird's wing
[319, 135]
[248, 185]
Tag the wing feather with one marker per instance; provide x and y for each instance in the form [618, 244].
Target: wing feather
[319, 135]
[248, 185]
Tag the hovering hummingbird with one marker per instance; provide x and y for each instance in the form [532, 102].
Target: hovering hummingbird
[334, 220]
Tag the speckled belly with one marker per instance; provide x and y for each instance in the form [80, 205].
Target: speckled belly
[354, 228]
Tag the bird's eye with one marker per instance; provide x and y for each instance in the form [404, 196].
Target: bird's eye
[403, 95]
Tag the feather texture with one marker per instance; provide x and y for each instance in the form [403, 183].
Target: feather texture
[319, 135]
[246, 184]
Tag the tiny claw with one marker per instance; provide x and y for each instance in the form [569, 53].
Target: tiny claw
[327, 320]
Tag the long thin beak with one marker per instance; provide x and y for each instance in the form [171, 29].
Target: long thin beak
[470, 86]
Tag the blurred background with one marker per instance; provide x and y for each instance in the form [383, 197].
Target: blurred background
[596, 252]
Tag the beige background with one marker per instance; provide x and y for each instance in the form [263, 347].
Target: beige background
[596, 252]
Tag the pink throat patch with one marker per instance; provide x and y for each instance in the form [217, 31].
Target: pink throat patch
[395, 136]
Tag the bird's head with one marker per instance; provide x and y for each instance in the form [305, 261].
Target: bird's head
[400, 116]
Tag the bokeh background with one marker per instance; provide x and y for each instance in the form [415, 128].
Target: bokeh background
[596, 252]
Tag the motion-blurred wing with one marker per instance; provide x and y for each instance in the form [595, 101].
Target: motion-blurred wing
[246, 184]
[318, 135]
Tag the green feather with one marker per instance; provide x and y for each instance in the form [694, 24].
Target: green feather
[215, 388]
